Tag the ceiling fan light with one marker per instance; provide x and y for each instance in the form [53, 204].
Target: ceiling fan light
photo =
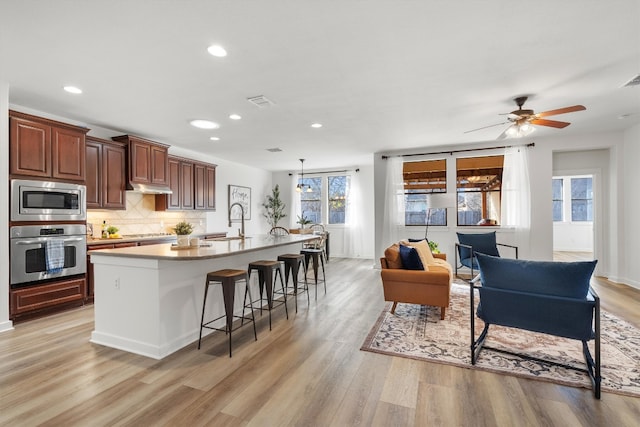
[526, 129]
[512, 131]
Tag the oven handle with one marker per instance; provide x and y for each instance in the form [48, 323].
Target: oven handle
[33, 242]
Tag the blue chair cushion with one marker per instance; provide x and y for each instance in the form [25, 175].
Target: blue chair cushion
[410, 258]
[484, 243]
[562, 279]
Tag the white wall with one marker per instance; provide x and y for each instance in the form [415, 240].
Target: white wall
[630, 267]
[5, 323]
[619, 235]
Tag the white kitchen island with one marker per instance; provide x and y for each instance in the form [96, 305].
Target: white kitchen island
[148, 299]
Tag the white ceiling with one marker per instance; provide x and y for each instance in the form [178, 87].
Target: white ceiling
[380, 75]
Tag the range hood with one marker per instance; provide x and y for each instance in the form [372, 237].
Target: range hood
[148, 188]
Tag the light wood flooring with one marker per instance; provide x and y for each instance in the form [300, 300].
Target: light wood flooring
[307, 371]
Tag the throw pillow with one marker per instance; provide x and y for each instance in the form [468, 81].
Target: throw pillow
[423, 250]
[410, 258]
[392, 254]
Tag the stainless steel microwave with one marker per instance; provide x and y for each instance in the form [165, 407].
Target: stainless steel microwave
[47, 201]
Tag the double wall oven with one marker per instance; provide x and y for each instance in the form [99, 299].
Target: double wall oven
[48, 241]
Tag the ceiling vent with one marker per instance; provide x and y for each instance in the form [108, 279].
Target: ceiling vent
[274, 150]
[260, 101]
[633, 82]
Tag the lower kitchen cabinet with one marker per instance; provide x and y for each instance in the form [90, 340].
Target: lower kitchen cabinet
[31, 301]
[90, 282]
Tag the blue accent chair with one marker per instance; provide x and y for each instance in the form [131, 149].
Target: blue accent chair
[540, 296]
[470, 244]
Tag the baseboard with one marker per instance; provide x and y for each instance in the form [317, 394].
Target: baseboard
[6, 326]
[624, 281]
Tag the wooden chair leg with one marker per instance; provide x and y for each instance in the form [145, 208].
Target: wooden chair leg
[393, 307]
[442, 310]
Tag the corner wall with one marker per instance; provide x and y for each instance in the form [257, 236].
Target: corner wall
[5, 323]
[630, 267]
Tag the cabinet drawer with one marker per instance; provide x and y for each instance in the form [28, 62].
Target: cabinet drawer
[36, 298]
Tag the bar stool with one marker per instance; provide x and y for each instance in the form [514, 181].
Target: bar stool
[292, 264]
[266, 272]
[316, 255]
[229, 278]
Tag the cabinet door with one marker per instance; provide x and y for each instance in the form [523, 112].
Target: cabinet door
[41, 297]
[210, 201]
[186, 184]
[30, 148]
[93, 158]
[159, 164]
[140, 161]
[200, 185]
[113, 177]
[67, 154]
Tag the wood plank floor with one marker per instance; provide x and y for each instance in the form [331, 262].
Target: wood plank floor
[307, 371]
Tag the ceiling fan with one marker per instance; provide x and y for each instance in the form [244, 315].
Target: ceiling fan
[521, 120]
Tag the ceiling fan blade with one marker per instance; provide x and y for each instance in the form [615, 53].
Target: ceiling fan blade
[551, 123]
[561, 111]
[485, 127]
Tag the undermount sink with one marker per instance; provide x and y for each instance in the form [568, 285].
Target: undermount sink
[226, 239]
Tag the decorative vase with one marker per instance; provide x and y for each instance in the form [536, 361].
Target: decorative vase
[183, 240]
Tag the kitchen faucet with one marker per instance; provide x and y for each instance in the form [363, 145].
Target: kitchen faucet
[241, 231]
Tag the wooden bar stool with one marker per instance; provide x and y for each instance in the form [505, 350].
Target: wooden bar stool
[229, 278]
[318, 258]
[292, 264]
[268, 273]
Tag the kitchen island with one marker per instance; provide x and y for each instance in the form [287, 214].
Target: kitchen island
[148, 299]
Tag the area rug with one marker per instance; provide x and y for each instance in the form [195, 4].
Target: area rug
[417, 332]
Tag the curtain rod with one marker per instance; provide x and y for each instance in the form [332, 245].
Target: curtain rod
[318, 173]
[450, 152]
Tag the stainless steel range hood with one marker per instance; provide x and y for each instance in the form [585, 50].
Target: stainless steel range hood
[148, 188]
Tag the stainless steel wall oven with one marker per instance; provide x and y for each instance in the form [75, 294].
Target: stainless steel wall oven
[29, 245]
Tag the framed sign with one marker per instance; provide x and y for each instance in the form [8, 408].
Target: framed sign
[242, 195]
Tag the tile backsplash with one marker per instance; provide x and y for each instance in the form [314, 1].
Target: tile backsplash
[141, 217]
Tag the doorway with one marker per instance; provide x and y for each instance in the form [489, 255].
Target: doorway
[573, 217]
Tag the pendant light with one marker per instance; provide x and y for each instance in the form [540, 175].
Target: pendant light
[301, 185]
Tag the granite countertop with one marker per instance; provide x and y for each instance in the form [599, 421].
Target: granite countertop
[144, 237]
[211, 248]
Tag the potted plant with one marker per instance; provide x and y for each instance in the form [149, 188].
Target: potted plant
[274, 207]
[434, 247]
[183, 229]
[303, 220]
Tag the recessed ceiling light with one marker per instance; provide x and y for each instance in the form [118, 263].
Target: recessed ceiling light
[235, 116]
[217, 50]
[204, 124]
[73, 89]
[214, 138]
[316, 125]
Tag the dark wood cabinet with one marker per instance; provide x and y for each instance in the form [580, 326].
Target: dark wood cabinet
[148, 161]
[106, 162]
[31, 301]
[192, 183]
[42, 148]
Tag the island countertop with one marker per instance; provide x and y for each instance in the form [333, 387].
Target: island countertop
[212, 248]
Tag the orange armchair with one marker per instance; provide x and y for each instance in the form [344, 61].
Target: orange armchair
[425, 287]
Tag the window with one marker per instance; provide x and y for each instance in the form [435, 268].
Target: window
[573, 198]
[478, 183]
[558, 199]
[326, 201]
[337, 198]
[420, 179]
[581, 199]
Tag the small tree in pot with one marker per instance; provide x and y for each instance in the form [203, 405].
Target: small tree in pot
[274, 207]
[183, 229]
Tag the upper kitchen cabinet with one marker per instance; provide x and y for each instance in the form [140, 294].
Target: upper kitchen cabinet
[148, 161]
[106, 176]
[193, 186]
[205, 186]
[43, 148]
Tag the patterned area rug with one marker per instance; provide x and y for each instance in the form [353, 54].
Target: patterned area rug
[417, 332]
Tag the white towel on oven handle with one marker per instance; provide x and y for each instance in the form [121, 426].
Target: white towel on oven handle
[54, 255]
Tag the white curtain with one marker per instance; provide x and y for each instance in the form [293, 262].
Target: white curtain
[393, 218]
[516, 195]
[295, 207]
[352, 223]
